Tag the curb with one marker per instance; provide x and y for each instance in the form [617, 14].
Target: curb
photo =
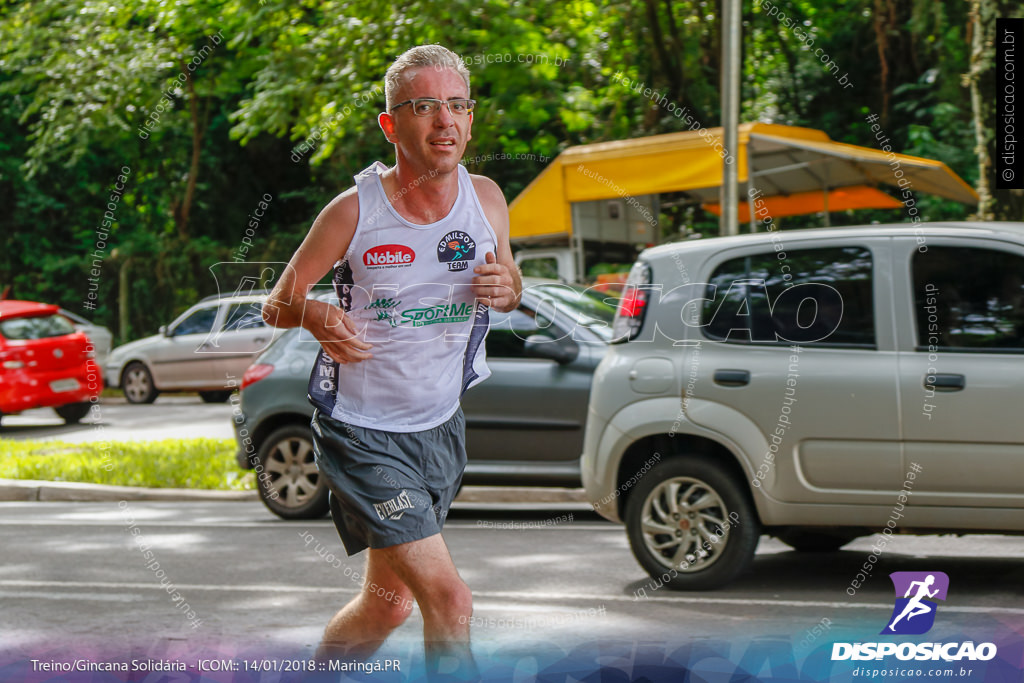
[28, 490]
[23, 490]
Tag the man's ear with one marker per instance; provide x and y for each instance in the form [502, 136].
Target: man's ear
[387, 124]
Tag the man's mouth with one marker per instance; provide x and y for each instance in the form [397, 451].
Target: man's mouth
[447, 142]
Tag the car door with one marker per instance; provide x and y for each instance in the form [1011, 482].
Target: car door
[827, 409]
[961, 362]
[243, 336]
[179, 360]
[530, 408]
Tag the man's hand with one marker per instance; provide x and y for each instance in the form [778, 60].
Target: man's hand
[494, 285]
[338, 336]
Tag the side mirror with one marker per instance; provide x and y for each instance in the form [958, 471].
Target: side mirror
[163, 331]
[561, 351]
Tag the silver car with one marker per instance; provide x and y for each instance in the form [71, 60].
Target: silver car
[201, 350]
[816, 385]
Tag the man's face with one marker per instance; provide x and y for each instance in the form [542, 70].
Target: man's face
[435, 142]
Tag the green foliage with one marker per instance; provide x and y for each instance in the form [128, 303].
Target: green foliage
[80, 79]
[170, 463]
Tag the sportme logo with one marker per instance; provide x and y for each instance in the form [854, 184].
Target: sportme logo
[923, 585]
[388, 256]
[914, 614]
[441, 313]
[394, 508]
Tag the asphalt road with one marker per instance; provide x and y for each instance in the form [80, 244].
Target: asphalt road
[74, 577]
[171, 417]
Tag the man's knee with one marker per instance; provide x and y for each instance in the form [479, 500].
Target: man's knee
[454, 599]
[388, 608]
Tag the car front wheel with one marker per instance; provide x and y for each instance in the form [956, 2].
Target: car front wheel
[691, 527]
[290, 484]
[138, 384]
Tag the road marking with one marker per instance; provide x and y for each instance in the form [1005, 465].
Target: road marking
[507, 595]
[277, 524]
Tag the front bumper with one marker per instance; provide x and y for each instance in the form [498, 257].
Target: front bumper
[245, 455]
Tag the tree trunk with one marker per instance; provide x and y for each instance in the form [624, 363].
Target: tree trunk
[993, 204]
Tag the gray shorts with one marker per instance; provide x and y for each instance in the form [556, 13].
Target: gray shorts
[389, 488]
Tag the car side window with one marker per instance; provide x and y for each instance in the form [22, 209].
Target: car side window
[811, 296]
[968, 299]
[199, 322]
[508, 333]
[245, 316]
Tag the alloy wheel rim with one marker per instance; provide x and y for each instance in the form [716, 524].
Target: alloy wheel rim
[685, 524]
[137, 384]
[293, 472]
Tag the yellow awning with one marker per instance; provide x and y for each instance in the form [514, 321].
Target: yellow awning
[788, 161]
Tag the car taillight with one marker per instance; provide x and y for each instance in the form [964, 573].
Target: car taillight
[255, 373]
[629, 317]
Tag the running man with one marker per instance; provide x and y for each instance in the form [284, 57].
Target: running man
[419, 251]
[915, 606]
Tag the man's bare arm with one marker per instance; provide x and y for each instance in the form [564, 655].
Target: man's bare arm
[287, 306]
[497, 282]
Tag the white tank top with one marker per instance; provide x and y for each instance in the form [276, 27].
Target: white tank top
[407, 289]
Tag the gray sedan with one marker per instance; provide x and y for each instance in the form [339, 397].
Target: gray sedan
[524, 425]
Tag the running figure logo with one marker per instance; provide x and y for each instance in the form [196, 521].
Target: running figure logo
[914, 613]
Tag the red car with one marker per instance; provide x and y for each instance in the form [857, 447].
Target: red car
[45, 362]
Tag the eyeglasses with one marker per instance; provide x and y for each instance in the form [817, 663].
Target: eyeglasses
[428, 106]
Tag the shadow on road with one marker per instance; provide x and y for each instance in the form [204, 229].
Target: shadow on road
[796, 573]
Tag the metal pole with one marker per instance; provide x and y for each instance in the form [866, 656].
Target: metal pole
[750, 185]
[729, 196]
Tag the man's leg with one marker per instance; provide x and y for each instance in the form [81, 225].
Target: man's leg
[445, 601]
[362, 626]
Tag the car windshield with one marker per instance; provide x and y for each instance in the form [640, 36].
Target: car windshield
[38, 327]
[594, 310]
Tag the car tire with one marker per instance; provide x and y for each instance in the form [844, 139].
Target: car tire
[289, 482]
[810, 540]
[215, 396]
[137, 384]
[72, 413]
[709, 505]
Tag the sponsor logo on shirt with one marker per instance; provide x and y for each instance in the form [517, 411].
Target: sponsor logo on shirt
[441, 313]
[385, 308]
[456, 249]
[395, 508]
[388, 256]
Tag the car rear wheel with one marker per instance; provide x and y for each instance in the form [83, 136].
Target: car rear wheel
[691, 527]
[72, 413]
[810, 540]
[138, 384]
[214, 396]
[290, 484]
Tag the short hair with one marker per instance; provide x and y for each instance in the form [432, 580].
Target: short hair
[420, 56]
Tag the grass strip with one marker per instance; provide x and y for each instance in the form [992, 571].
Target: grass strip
[169, 463]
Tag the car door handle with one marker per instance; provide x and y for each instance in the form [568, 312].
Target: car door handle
[732, 378]
[945, 382]
[260, 340]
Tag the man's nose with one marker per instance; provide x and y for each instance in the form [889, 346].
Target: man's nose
[443, 118]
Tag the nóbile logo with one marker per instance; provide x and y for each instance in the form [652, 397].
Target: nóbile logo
[389, 256]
